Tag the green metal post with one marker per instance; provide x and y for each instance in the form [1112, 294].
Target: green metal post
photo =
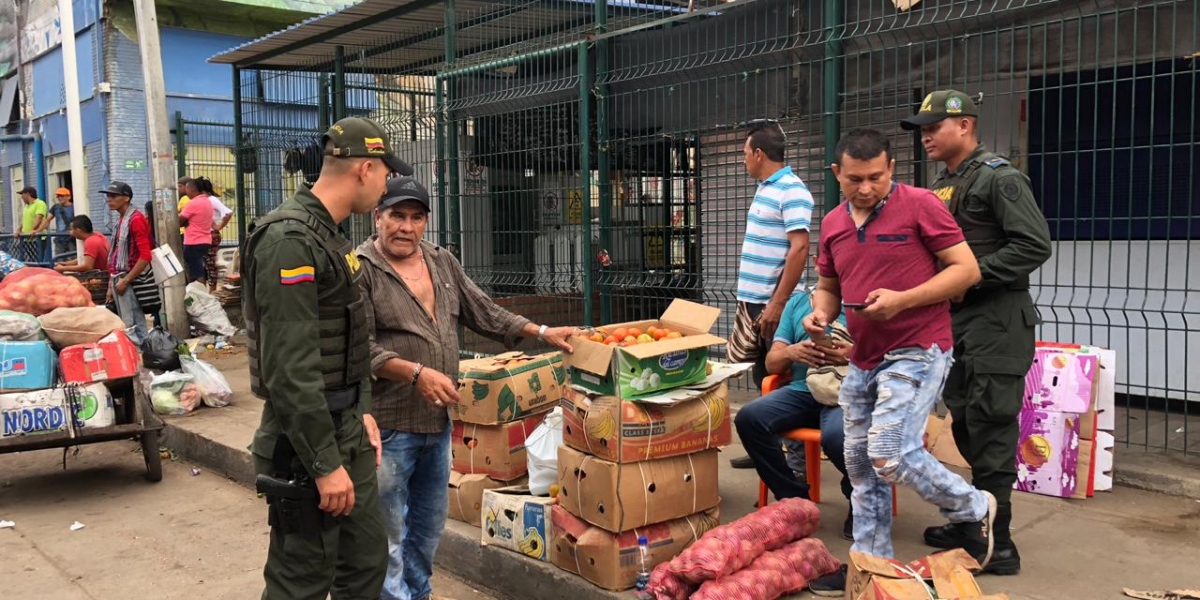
[585, 177]
[454, 221]
[833, 13]
[180, 146]
[239, 178]
[442, 165]
[323, 103]
[339, 83]
[603, 156]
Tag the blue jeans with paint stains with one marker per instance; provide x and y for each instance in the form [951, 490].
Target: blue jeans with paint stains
[414, 478]
[885, 411]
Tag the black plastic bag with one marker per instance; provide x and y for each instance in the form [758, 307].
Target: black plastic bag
[160, 350]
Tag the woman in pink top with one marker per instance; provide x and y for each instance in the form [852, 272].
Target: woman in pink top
[197, 220]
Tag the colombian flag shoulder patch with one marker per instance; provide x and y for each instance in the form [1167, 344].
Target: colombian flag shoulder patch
[304, 274]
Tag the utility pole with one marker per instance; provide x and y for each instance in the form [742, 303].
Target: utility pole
[79, 191]
[166, 212]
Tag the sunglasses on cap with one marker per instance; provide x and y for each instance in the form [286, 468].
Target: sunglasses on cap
[761, 122]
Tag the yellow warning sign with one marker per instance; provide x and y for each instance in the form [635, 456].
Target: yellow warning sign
[575, 208]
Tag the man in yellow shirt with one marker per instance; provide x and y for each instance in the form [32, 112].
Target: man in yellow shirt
[34, 213]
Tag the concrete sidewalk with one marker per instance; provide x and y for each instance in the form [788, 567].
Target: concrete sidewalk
[1070, 548]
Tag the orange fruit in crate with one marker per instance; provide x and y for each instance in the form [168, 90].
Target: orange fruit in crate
[597, 337]
[634, 331]
[660, 334]
[644, 338]
[612, 339]
[651, 330]
[674, 335]
[631, 339]
[620, 333]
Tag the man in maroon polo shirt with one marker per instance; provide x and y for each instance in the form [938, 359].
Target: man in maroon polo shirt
[893, 256]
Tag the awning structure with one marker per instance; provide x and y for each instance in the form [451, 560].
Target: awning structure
[408, 36]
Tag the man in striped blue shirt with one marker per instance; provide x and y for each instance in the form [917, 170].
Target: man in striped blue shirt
[775, 249]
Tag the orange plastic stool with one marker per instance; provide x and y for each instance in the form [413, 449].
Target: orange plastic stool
[812, 454]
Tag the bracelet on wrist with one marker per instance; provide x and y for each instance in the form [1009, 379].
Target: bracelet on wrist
[542, 333]
[417, 373]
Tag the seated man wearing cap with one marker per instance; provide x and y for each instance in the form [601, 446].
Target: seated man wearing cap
[416, 295]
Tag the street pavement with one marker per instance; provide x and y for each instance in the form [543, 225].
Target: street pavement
[194, 537]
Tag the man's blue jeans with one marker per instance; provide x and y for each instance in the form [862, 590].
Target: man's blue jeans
[414, 477]
[886, 410]
[760, 422]
[130, 311]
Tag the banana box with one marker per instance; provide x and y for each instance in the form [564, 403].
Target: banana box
[506, 387]
[640, 364]
[497, 451]
[626, 431]
[620, 497]
[518, 521]
[612, 560]
[465, 496]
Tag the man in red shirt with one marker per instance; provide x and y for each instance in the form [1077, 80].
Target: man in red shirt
[893, 256]
[128, 258]
[95, 248]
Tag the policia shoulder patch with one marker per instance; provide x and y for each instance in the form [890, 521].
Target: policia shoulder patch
[1009, 188]
[996, 162]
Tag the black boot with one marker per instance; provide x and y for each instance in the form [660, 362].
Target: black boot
[1005, 558]
[947, 537]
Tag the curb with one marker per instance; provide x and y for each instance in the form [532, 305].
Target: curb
[1170, 474]
[509, 574]
[231, 462]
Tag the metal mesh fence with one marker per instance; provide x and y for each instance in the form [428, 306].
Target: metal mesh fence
[588, 161]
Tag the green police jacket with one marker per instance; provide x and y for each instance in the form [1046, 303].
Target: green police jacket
[308, 330]
[993, 204]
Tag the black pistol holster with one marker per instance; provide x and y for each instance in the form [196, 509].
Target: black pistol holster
[292, 496]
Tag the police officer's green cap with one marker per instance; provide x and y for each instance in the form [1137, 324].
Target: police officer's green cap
[354, 136]
[939, 105]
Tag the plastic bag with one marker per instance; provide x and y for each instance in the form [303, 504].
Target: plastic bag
[214, 388]
[69, 326]
[206, 311]
[20, 327]
[8, 264]
[541, 449]
[160, 350]
[174, 393]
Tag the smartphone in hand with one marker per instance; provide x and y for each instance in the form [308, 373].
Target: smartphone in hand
[854, 305]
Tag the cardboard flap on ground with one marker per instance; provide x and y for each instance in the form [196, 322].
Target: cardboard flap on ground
[466, 495]
[611, 560]
[619, 497]
[949, 575]
[940, 442]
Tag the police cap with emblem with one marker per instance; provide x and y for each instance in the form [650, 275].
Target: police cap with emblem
[939, 105]
[357, 137]
[400, 189]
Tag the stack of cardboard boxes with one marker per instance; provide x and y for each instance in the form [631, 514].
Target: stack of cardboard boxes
[641, 424]
[502, 399]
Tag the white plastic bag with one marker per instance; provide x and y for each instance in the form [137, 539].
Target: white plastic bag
[214, 388]
[206, 311]
[541, 448]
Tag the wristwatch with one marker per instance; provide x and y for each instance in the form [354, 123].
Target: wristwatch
[542, 333]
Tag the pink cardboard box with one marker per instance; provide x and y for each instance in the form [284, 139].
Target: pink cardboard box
[1059, 394]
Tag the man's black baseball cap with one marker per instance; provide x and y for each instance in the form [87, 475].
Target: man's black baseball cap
[400, 189]
[118, 188]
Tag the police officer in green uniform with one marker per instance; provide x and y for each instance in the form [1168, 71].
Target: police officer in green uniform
[317, 446]
[993, 322]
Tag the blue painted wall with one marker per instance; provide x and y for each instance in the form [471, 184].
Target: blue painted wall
[49, 79]
[186, 69]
